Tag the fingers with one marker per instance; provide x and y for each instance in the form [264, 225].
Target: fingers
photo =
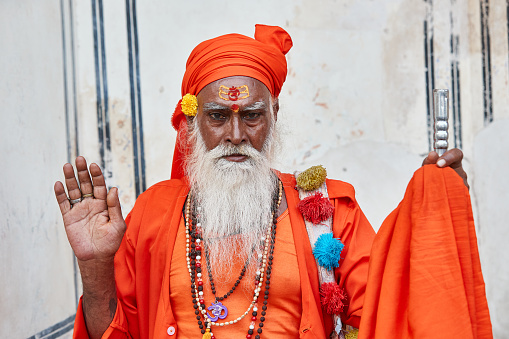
[73, 188]
[84, 177]
[62, 200]
[100, 189]
[431, 158]
[451, 158]
[86, 187]
[114, 210]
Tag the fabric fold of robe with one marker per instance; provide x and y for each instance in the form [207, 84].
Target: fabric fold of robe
[425, 278]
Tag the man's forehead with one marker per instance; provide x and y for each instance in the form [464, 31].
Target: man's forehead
[234, 84]
[255, 106]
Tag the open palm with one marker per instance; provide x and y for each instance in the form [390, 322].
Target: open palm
[94, 226]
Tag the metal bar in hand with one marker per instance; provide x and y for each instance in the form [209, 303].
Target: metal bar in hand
[440, 116]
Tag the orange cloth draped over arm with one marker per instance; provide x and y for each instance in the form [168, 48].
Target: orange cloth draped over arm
[425, 278]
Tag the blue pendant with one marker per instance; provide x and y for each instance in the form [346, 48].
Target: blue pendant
[217, 310]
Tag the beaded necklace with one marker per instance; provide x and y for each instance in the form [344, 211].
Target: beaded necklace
[237, 282]
[193, 256]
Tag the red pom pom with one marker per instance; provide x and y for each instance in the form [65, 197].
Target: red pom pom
[316, 208]
[332, 298]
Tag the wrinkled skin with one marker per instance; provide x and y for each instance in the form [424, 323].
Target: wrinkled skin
[221, 124]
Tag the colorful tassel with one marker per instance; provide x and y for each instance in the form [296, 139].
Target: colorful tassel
[332, 298]
[328, 251]
[316, 208]
[312, 178]
[207, 334]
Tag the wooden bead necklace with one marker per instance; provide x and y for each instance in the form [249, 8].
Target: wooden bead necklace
[237, 282]
[193, 256]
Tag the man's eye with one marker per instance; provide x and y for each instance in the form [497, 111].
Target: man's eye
[252, 116]
[217, 116]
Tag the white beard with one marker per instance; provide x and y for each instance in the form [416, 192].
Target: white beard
[236, 200]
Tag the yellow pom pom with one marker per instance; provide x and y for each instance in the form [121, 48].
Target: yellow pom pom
[189, 105]
[312, 178]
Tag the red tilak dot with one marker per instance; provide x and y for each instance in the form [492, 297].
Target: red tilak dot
[235, 108]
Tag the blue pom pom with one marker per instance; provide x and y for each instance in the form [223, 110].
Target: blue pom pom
[328, 251]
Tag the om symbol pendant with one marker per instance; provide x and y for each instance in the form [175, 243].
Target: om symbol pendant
[217, 310]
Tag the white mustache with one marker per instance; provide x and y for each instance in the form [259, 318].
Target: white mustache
[226, 150]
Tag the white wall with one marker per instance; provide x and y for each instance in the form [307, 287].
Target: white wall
[36, 270]
[355, 100]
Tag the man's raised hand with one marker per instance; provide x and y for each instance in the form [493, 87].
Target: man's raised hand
[94, 225]
[451, 158]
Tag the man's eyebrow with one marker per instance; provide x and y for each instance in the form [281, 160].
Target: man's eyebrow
[259, 105]
[212, 106]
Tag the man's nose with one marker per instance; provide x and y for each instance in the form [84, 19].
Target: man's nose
[237, 132]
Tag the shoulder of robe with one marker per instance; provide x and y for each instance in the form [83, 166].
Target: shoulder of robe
[165, 188]
[340, 189]
[153, 204]
[335, 188]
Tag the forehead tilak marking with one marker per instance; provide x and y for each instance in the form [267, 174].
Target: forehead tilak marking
[233, 93]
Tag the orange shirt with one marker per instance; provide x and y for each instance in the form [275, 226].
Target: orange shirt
[284, 304]
[143, 264]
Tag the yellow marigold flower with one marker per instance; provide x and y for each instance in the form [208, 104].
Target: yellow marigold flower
[189, 105]
[312, 178]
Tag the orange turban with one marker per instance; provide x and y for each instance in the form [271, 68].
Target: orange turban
[262, 58]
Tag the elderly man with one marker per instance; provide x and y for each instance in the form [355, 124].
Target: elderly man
[221, 250]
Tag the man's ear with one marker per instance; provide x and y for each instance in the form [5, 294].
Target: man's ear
[275, 107]
[189, 120]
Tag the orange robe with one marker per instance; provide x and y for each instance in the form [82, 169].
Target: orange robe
[425, 277]
[142, 263]
[284, 304]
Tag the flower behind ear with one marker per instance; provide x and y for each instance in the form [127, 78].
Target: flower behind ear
[189, 105]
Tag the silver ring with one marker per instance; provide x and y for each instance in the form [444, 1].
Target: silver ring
[89, 195]
[74, 201]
